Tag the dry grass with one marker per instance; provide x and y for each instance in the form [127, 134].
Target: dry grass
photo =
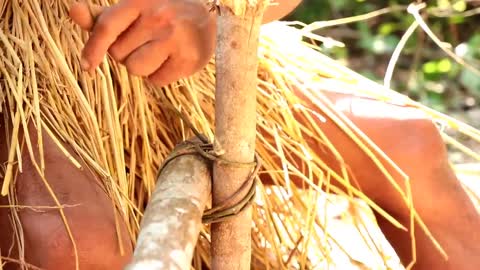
[123, 128]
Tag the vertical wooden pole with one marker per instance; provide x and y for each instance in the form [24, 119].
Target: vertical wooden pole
[238, 27]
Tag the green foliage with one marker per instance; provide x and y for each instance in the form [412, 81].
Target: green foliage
[423, 70]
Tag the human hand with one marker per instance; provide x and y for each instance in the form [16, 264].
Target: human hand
[163, 40]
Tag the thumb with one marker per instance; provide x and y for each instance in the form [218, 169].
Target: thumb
[85, 15]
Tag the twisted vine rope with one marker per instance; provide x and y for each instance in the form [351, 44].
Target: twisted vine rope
[201, 146]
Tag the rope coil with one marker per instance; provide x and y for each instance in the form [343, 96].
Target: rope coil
[201, 146]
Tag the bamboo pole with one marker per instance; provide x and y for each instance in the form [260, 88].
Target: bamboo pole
[238, 27]
[173, 217]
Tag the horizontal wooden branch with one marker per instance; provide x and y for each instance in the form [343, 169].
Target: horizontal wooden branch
[172, 220]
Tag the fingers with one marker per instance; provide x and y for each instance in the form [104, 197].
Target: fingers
[137, 35]
[171, 71]
[85, 15]
[152, 25]
[151, 41]
[148, 58]
[109, 25]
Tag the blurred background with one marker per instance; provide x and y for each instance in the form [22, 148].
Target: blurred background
[423, 71]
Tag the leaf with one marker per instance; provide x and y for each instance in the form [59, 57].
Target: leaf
[387, 28]
[459, 6]
[444, 65]
[379, 44]
[470, 80]
[436, 101]
[340, 4]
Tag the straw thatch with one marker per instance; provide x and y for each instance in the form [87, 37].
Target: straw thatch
[123, 128]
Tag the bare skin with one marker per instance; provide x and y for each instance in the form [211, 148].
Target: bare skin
[161, 40]
[409, 139]
[404, 134]
[47, 244]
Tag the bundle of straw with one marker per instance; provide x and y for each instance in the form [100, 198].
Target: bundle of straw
[124, 128]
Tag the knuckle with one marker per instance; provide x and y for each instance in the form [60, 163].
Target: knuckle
[115, 53]
[195, 59]
[133, 69]
[425, 142]
[180, 67]
[200, 61]
[103, 26]
[156, 80]
[162, 78]
[163, 13]
[190, 70]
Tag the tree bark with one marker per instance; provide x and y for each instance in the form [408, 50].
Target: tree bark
[238, 27]
[173, 218]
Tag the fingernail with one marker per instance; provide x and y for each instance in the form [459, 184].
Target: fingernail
[84, 64]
